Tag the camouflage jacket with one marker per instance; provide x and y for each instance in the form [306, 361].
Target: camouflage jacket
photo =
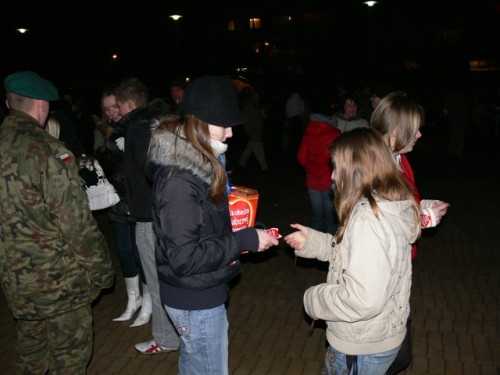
[53, 257]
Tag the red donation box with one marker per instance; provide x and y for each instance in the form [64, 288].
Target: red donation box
[243, 207]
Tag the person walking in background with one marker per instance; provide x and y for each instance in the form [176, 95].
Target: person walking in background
[197, 252]
[365, 300]
[398, 119]
[54, 260]
[139, 114]
[177, 89]
[83, 123]
[364, 95]
[61, 111]
[314, 157]
[294, 109]
[348, 117]
[253, 130]
[112, 161]
[379, 93]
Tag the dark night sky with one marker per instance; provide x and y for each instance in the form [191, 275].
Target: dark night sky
[69, 42]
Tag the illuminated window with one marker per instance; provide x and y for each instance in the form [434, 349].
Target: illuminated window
[254, 23]
[478, 65]
[237, 24]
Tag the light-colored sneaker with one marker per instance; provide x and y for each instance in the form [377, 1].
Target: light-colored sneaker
[152, 347]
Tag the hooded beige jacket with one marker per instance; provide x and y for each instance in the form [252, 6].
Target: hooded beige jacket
[365, 300]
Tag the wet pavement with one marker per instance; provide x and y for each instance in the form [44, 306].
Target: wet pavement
[455, 292]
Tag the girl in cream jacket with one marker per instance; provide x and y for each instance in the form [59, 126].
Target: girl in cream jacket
[365, 300]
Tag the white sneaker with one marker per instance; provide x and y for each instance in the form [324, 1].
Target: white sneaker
[152, 347]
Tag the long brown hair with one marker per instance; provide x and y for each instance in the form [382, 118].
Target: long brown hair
[107, 129]
[196, 132]
[364, 167]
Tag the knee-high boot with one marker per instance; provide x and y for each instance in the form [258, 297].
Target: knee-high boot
[146, 310]
[134, 299]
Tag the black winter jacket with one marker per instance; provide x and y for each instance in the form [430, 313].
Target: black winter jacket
[112, 160]
[138, 125]
[197, 253]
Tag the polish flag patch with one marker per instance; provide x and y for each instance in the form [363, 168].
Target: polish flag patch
[65, 158]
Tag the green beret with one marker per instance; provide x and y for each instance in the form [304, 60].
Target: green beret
[30, 85]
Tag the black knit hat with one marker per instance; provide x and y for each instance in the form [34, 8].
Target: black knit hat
[213, 100]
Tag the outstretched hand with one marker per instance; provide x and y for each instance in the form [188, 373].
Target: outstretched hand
[296, 240]
[266, 240]
[440, 208]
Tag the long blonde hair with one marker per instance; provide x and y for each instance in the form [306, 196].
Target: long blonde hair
[397, 118]
[52, 126]
[197, 133]
[364, 167]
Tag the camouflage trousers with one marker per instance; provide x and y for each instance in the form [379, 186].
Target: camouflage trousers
[58, 345]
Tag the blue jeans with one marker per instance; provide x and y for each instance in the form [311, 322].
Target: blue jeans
[204, 343]
[127, 251]
[163, 331]
[372, 364]
[322, 211]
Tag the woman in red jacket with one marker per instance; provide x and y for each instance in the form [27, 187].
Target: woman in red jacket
[315, 158]
[398, 119]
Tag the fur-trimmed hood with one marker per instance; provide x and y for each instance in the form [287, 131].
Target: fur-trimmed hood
[168, 150]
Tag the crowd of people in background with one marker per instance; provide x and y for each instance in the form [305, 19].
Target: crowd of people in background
[284, 112]
[153, 148]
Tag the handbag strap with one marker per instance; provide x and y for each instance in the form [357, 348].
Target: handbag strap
[99, 172]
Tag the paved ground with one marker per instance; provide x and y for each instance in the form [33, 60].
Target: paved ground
[455, 293]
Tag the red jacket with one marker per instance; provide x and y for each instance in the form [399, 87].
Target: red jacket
[408, 175]
[314, 156]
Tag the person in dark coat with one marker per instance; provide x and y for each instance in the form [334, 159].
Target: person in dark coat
[197, 253]
[139, 114]
[112, 160]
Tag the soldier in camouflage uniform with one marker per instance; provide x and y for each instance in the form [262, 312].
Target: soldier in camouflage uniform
[54, 261]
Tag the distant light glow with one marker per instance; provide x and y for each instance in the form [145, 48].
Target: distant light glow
[176, 17]
[22, 30]
[114, 56]
[370, 3]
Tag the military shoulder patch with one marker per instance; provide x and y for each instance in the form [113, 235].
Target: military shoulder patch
[65, 158]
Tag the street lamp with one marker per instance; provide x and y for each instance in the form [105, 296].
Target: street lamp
[176, 18]
[22, 31]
